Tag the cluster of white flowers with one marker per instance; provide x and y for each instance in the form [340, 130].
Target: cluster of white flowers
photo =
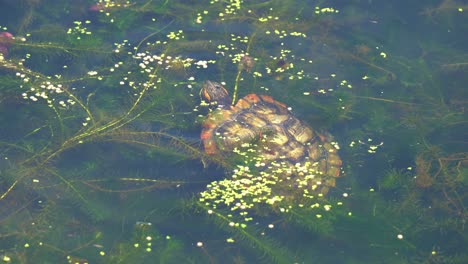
[149, 61]
[372, 148]
[200, 17]
[79, 29]
[45, 91]
[176, 35]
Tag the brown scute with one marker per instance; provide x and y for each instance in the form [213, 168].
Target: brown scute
[283, 145]
[276, 119]
[299, 131]
[217, 117]
[305, 135]
[228, 129]
[334, 171]
[233, 134]
[246, 135]
[270, 100]
[264, 110]
[294, 150]
[334, 160]
[329, 147]
[330, 182]
[243, 104]
[266, 105]
[276, 136]
[252, 120]
[315, 151]
[323, 166]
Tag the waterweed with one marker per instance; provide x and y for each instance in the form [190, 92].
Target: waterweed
[130, 75]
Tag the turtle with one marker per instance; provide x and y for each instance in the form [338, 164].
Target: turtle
[274, 140]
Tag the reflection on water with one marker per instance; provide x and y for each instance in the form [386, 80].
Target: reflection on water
[101, 159]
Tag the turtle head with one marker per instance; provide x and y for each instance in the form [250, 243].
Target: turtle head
[215, 94]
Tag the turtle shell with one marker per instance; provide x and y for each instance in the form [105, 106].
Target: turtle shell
[281, 143]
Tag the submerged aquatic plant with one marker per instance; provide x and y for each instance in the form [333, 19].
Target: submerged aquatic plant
[101, 162]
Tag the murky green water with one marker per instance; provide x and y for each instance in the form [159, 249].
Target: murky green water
[100, 153]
